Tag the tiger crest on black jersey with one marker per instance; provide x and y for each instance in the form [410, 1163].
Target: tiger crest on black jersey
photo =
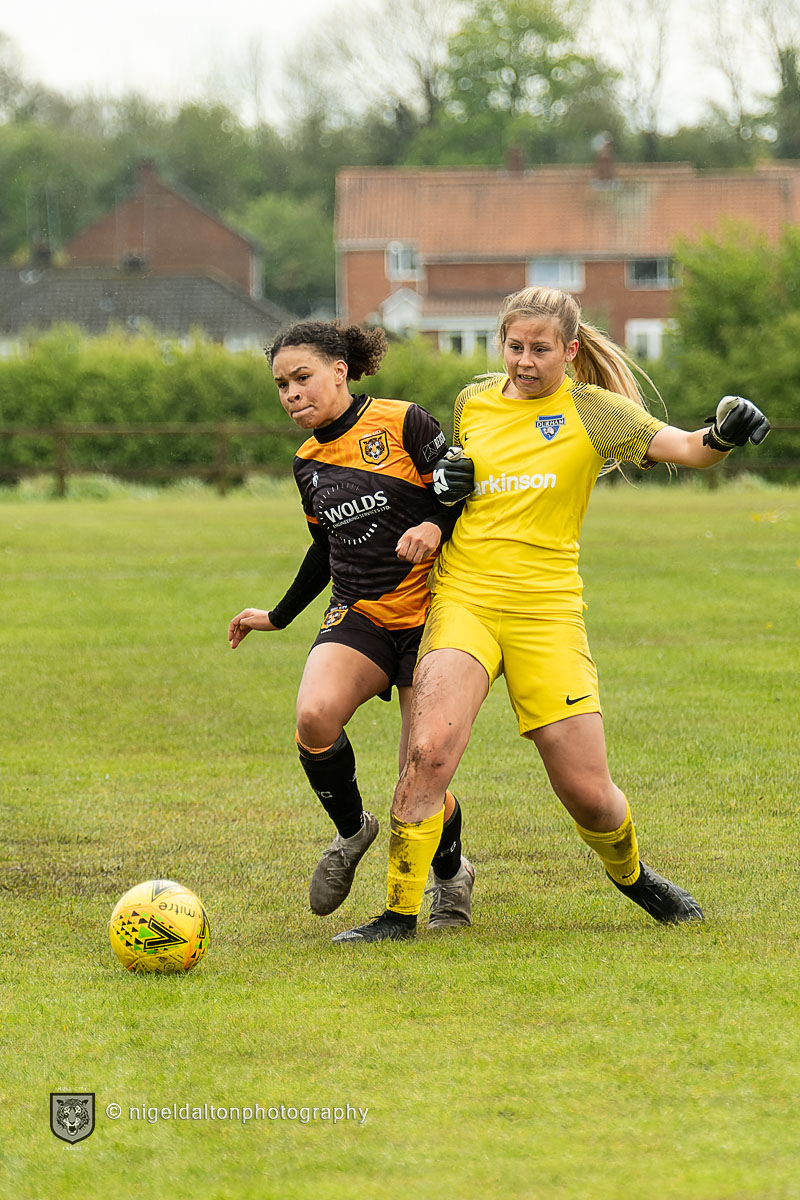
[375, 447]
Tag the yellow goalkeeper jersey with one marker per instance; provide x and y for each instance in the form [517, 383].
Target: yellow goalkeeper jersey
[536, 462]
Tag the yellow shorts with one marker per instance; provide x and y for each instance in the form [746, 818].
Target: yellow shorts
[545, 658]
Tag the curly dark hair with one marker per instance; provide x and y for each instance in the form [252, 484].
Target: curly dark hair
[361, 349]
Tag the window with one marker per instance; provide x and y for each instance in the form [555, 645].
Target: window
[465, 341]
[644, 338]
[650, 273]
[402, 261]
[240, 345]
[566, 273]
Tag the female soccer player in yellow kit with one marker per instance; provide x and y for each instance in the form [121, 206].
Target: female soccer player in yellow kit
[507, 596]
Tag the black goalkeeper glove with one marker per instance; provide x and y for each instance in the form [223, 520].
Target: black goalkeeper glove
[735, 423]
[453, 476]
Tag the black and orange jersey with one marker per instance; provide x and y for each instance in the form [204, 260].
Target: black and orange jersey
[364, 480]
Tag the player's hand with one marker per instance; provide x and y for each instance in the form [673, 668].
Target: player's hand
[453, 476]
[248, 618]
[735, 423]
[419, 543]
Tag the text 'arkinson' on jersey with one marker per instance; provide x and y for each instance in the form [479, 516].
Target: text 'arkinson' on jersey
[513, 483]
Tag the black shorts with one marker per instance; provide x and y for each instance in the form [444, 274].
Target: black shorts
[393, 650]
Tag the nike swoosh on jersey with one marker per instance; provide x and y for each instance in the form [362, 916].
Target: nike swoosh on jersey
[578, 699]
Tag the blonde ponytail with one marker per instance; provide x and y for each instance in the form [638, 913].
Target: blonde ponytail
[604, 363]
[599, 360]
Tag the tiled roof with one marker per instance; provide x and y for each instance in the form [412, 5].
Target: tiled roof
[487, 213]
[463, 306]
[95, 298]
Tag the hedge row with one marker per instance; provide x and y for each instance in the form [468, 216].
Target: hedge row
[147, 380]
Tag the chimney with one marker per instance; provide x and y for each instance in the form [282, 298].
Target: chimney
[605, 164]
[146, 175]
[515, 159]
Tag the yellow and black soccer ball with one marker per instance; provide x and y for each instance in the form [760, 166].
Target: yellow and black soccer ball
[159, 926]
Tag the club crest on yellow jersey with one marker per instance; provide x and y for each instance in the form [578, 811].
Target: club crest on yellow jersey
[375, 447]
[549, 426]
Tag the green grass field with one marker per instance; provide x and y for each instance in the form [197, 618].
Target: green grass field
[565, 1046]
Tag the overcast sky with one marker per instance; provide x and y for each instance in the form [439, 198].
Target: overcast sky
[165, 48]
[174, 49]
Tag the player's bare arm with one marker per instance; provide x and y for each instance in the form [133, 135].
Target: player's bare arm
[247, 619]
[685, 449]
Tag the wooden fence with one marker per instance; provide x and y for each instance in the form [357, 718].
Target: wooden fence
[221, 470]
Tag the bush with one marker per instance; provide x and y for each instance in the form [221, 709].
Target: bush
[415, 371]
[737, 332]
[143, 380]
[148, 380]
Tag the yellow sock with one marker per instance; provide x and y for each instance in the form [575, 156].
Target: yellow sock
[412, 845]
[618, 849]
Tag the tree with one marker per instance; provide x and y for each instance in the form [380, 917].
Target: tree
[210, 152]
[714, 143]
[786, 107]
[509, 59]
[387, 58]
[48, 179]
[737, 325]
[639, 50]
[781, 35]
[515, 77]
[296, 237]
[12, 85]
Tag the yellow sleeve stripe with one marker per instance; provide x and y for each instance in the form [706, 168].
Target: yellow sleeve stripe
[472, 389]
[616, 426]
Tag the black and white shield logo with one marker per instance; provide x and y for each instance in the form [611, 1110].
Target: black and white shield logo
[72, 1115]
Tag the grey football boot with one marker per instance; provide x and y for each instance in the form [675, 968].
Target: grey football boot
[334, 873]
[451, 899]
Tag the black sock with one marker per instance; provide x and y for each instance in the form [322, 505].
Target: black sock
[332, 775]
[401, 918]
[447, 858]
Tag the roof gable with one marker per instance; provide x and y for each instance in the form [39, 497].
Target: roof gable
[130, 213]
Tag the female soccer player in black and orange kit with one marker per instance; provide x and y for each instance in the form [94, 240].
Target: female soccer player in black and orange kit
[508, 596]
[365, 479]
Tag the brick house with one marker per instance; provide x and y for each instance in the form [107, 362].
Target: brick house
[158, 259]
[164, 231]
[435, 250]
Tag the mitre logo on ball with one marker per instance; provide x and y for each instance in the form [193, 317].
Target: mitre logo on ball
[159, 926]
